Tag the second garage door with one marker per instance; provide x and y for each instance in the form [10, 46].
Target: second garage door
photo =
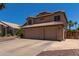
[34, 33]
[51, 33]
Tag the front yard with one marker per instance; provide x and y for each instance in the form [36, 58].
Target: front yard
[32, 47]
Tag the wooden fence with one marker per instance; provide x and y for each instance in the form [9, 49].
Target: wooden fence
[72, 34]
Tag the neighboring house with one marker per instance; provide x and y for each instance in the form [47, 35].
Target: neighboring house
[46, 25]
[7, 28]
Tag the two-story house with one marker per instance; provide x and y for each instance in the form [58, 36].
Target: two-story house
[46, 25]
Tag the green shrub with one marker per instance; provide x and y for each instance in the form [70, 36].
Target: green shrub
[72, 30]
[20, 32]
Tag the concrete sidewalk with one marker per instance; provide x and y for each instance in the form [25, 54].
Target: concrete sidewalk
[69, 47]
[64, 45]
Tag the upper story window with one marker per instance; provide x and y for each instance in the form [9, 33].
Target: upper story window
[57, 18]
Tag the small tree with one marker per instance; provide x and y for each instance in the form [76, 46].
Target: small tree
[70, 24]
[20, 32]
[75, 23]
[78, 27]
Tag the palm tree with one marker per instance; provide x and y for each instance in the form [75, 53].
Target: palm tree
[78, 27]
[70, 24]
[2, 6]
[75, 23]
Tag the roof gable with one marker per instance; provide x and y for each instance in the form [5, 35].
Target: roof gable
[45, 14]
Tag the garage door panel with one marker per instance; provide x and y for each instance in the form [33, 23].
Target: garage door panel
[34, 33]
[51, 33]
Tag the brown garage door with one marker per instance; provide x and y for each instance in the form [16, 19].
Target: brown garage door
[34, 33]
[51, 33]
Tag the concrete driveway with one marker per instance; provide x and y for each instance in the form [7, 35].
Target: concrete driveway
[31, 47]
[23, 47]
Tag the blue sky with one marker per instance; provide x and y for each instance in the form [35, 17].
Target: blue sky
[18, 12]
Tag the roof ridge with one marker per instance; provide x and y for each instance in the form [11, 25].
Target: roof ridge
[9, 22]
[49, 13]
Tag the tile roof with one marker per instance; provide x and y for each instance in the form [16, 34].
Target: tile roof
[13, 25]
[46, 14]
[43, 24]
[2, 24]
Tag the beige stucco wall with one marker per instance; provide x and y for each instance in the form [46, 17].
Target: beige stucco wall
[49, 32]
[50, 19]
[60, 33]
